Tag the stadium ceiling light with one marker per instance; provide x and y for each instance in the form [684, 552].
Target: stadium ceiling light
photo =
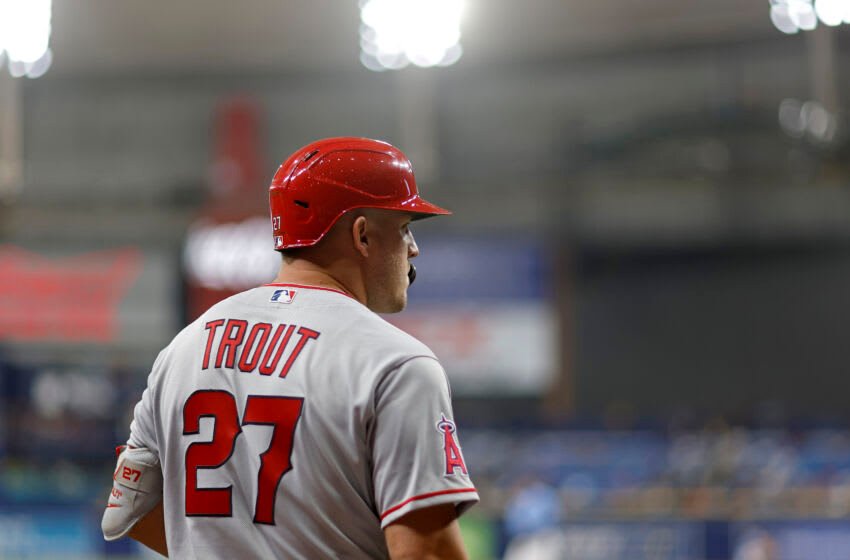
[397, 33]
[25, 36]
[791, 16]
[831, 12]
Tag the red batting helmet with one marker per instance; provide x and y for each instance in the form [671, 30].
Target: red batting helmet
[325, 179]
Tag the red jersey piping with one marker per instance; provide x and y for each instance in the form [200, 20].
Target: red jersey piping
[303, 286]
[425, 496]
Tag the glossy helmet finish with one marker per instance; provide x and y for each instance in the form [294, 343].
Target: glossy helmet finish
[323, 180]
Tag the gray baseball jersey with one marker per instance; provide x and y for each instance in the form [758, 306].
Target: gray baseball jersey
[292, 422]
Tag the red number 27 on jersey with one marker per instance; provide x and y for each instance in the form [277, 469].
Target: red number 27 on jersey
[282, 413]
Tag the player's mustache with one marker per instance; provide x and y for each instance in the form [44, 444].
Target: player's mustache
[411, 273]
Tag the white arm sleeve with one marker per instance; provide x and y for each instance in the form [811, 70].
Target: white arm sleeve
[137, 481]
[136, 489]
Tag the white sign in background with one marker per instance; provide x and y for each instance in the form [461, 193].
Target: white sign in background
[492, 349]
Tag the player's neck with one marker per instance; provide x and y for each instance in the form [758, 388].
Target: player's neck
[306, 273]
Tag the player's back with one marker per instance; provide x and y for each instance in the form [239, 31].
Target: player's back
[263, 415]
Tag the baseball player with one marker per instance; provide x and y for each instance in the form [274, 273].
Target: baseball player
[291, 421]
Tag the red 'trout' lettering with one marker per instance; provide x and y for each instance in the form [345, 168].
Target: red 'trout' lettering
[268, 366]
[211, 326]
[306, 336]
[262, 349]
[234, 332]
[248, 361]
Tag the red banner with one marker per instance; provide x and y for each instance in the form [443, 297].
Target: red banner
[65, 299]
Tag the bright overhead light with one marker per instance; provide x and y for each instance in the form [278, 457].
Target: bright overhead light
[831, 12]
[396, 33]
[791, 16]
[781, 19]
[803, 14]
[40, 67]
[25, 35]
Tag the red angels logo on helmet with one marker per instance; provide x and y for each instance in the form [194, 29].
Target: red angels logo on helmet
[454, 459]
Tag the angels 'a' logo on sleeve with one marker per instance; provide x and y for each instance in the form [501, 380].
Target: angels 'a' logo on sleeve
[454, 458]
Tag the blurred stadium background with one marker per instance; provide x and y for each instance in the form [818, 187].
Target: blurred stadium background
[642, 297]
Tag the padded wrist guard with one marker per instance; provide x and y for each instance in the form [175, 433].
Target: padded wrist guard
[136, 489]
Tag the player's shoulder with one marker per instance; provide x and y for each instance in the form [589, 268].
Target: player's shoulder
[236, 301]
[180, 339]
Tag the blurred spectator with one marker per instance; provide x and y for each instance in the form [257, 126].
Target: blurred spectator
[534, 506]
[542, 546]
[758, 546]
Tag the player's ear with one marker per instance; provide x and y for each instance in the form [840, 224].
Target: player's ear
[359, 235]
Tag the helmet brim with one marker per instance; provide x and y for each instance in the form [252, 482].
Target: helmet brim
[422, 208]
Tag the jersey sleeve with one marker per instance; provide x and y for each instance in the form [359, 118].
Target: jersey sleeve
[143, 426]
[416, 453]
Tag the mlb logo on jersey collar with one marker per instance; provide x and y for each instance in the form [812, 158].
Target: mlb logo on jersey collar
[283, 296]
